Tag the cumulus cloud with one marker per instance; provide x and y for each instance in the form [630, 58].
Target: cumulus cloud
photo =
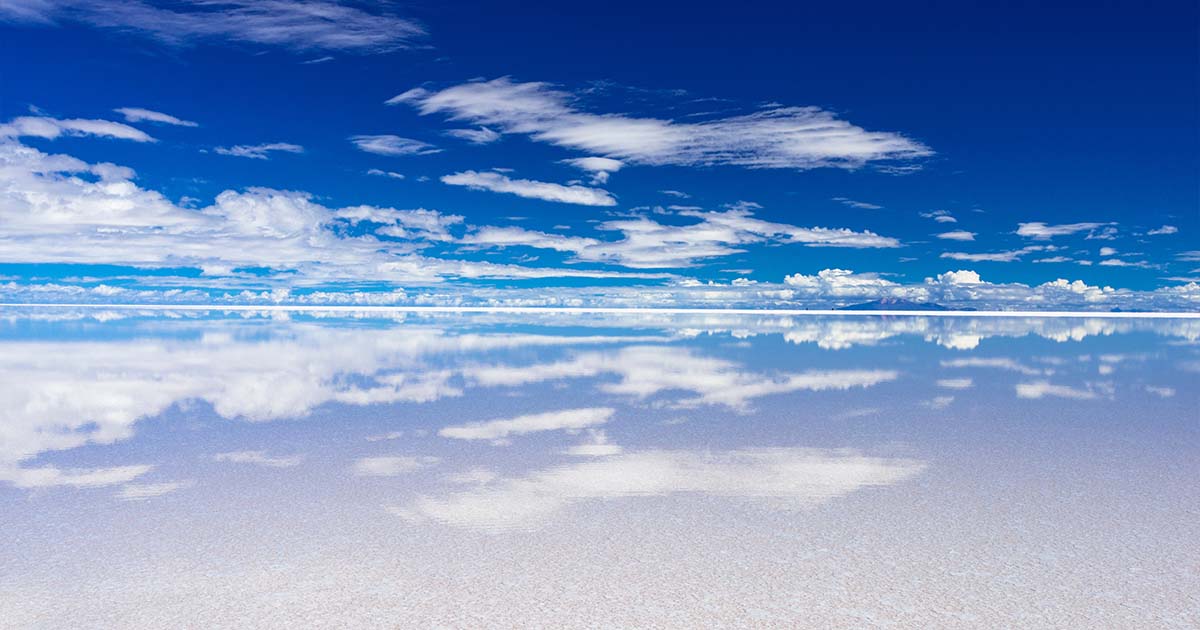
[564, 420]
[530, 189]
[780, 137]
[51, 128]
[1166, 229]
[259, 151]
[138, 114]
[58, 209]
[309, 25]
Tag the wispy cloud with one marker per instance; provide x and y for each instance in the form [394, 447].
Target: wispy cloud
[530, 189]
[1041, 389]
[1042, 231]
[648, 244]
[51, 128]
[143, 491]
[391, 466]
[137, 114]
[259, 151]
[957, 235]
[861, 205]
[781, 137]
[308, 25]
[387, 144]
[382, 173]
[782, 478]
[567, 419]
[599, 167]
[259, 458]
[482, 135]
[941, 216]
[1011, 255]
[1166, 229]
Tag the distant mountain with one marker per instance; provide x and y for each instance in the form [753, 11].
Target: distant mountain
[894, 304]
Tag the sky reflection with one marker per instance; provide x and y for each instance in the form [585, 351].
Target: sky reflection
[865, 452]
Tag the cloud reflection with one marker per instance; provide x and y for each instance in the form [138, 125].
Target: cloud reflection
[781, 478]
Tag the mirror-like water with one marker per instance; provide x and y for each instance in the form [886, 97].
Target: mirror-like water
[206, 469]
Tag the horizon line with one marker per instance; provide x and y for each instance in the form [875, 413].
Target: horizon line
[343, 308]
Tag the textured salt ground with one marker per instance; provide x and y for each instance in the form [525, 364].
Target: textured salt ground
[882, 557]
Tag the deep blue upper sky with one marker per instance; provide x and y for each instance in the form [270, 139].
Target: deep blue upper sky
[1032, 114]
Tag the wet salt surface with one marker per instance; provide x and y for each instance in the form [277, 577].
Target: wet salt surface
[167, 470]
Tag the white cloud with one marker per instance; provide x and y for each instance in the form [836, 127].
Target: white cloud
[649, 244]
[941, 216]
[1002, 363]
[599, 167]
[299, 26]
[955, 383]
[564, 420]
[678, 194]
[783, 478]
[138, 114]
[1004, 256]
[387, 144]
[1107, 251]
[1166, 229]
[391, 466]
[259, 458]
[861, 205]
[648, 371]
[1042, 231]
[957, 235]
[1040, 389]
[143, 491]
[596, 445]
[482, 135]
[939, 402]
[382, 173]
[259, 151]
[58, 209]
[783, 137]
[1117, 262]
[1162, 392]
[530, 189]
[52, 476]
[51, 128]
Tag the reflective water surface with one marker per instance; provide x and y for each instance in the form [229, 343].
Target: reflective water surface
[564, 470]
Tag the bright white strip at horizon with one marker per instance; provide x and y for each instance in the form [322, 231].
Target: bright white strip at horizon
[342, 308]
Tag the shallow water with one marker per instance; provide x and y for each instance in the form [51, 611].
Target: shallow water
[561, 470]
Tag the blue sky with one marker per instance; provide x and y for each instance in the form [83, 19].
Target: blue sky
[488, 152]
